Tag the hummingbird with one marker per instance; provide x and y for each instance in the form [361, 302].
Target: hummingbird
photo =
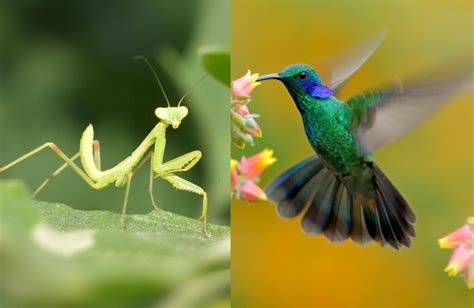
[342, 192]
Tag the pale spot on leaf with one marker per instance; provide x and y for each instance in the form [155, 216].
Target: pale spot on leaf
[63, 243]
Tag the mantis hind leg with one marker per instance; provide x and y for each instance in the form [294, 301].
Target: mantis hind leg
[150, 185]
[61, 154]
[53, 175]
[182, 184]
[73, 158]
[125, 202]
[127, 190]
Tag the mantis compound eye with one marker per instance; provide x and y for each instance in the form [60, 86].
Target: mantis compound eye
[183, 112]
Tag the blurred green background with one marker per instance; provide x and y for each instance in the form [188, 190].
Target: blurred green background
[273, 263]
[65, 64]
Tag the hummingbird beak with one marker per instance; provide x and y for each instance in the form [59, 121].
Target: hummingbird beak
[269, 76]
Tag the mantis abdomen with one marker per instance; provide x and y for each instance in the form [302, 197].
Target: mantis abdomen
[117, 173]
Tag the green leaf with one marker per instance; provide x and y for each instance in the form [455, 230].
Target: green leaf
[147, 265]
[216, 60]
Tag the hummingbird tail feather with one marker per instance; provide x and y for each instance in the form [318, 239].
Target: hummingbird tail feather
[362, 221]
[337, 213]
[396, 216]
[340, 223]
[386, 219]
[293, 188]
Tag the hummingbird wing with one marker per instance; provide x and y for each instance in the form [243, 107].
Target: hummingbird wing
[384, 116]
[339, 66]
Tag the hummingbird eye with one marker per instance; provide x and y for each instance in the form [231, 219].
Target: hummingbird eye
[301, 75]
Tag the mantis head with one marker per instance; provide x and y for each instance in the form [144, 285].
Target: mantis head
[171, 115]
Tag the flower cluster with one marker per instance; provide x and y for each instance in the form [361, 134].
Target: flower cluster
[462, 259]
[245, 175]
[244, 126]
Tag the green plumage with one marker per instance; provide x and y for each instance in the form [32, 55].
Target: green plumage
[330, 125]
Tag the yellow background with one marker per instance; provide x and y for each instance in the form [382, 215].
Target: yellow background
[273, 263]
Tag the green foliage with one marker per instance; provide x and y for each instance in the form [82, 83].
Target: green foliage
[216, 60]
[61, 72]
[161, 259]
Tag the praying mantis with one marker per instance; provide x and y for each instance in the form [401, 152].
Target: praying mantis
[122, 173]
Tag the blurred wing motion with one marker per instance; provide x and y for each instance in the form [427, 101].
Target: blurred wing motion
[341, 65]
[385, 116]
[332, 210]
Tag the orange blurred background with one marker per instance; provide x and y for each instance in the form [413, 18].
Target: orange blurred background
[273, 263]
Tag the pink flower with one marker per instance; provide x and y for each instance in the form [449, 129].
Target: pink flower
[462, 260]
[244, 175]
[244, 126]
[233, 175]
[469, 275]
[254, 165]
[242, 87]
[249, 191]
[250, 125]
[453, 239]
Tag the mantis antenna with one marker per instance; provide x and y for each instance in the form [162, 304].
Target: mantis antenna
[186, 94]
[156, 76]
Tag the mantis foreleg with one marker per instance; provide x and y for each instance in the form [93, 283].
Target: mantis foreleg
[179, 164]
[150, 187]
[182, 184]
